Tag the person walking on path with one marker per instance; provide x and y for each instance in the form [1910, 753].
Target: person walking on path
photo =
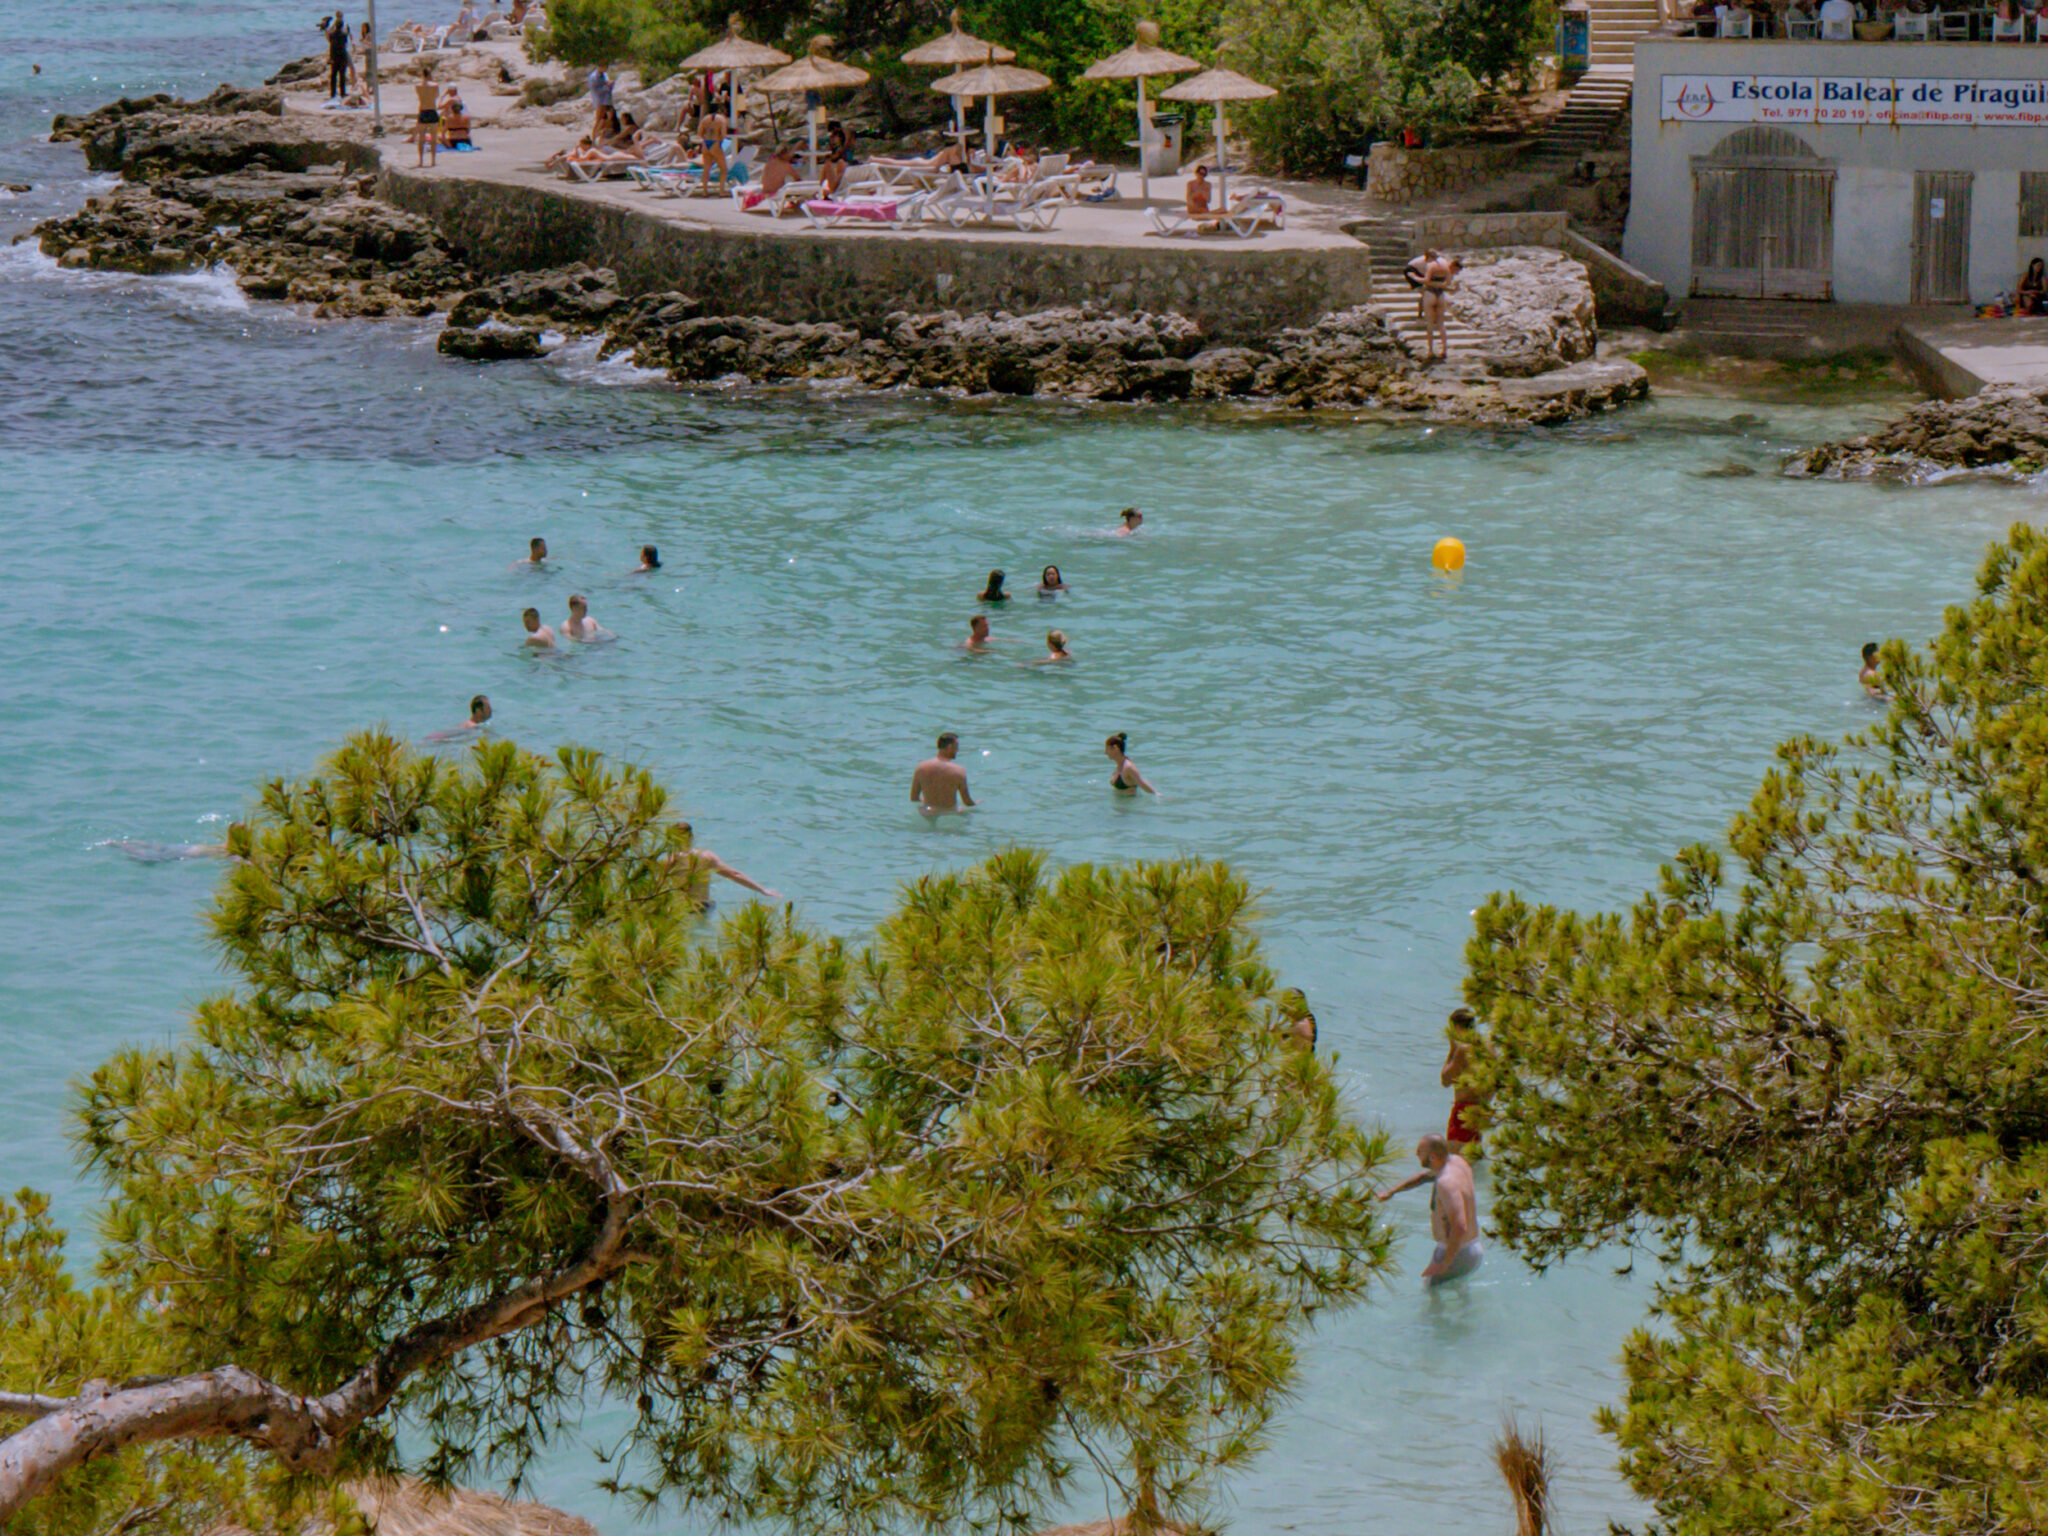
[939, 786]
[600, 85]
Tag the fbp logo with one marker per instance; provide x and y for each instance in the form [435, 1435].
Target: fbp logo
[1694, 100]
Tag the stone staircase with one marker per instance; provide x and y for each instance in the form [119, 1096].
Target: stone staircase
[1595, 105]
[1391, 241]
[1617, 26]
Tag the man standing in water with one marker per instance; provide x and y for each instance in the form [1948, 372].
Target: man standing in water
[538, 635]
[978, 637]
[940, 785]
[337, 57]
[1870, 674]
[536, 554]
[1453, 1210]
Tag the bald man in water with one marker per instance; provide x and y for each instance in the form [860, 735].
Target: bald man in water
[1453, 1210]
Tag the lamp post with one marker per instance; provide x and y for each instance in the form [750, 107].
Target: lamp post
[370, 69]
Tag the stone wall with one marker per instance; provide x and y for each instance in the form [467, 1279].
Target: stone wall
[1234, 293]
[1484, 231]
[1397, 175]
[1622, 294]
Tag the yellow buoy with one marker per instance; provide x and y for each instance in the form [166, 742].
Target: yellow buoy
[1448, 556]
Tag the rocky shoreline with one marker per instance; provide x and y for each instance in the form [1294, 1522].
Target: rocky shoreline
[286, 203]
[2001, 432]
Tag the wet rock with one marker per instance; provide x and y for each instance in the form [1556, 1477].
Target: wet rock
[494, 341]
[148, 146]
[579, 297]
[2003, 429]
[1345, 358]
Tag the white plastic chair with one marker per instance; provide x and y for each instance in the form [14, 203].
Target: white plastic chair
[2003, 31]
[1838, 30]
[1735, 21]
[1798, 24]
[1907, 26]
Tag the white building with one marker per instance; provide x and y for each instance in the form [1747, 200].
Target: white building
[1882, 173]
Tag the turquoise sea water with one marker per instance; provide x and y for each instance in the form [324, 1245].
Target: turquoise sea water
[233, 535]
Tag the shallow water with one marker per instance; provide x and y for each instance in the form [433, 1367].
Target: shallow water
[236, 535]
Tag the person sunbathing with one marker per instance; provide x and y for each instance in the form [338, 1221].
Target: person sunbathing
[1021, 170]
[583, 150]
[777, 171]
[830, 174]
[454, 121]
[1199, 194]
[627, 138]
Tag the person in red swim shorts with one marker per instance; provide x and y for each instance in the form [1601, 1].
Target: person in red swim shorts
[1460, 1132]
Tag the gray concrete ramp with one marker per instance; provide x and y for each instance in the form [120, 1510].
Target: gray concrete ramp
[1957, 357]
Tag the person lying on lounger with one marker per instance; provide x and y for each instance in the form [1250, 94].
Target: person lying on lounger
[778, 170]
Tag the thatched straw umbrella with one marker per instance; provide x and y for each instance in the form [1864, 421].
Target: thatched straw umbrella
[953, 50]
[817, 70]
[733, 53]
[991, 80]
[1142, 58]
[1218, 86]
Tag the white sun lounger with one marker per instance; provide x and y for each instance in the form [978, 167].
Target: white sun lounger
[791, 195]
[868, 210]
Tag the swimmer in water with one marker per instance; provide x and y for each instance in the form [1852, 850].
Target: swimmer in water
[993, 592]
[538, 635]
[164, 853]
[536, 555]
[978, 637]
[1055, 650]
[1126, 779]
[1297, 1022]
[1870, 675]
[479, 717]
[1050, 584]
[1132, 518]
[650, 560]
[1453, 1210]
[939, 786]
[580, 625]
[694, 868]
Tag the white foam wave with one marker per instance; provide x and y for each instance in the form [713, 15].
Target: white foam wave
[212, 289]
[577, 361]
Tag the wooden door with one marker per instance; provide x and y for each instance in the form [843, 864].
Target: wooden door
[1762, 230]
[1941, 237]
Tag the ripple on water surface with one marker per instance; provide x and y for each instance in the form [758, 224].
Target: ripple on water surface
[238, 534]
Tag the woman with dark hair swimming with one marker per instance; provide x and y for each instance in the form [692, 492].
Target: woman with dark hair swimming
[993, 592]
[1126, 778]
[1050, 583]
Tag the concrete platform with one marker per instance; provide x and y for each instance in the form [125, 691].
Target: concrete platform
[1957, 357]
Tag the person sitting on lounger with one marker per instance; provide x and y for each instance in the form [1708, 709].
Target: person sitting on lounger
[627, 135]
[778, 170]
[1199, 193]
[1023, 169]
[830, 174]
[582, 150]
[839, 142]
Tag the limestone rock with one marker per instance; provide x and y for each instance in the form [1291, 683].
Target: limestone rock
[577, 296]
[145, 146]
[2003, 428]
[1532, 306]
[226, 101]
[491, 342]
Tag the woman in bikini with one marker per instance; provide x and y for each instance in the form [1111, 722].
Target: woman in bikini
[426, 131]
[1126, 779]
[1050, 584]
[1438, 279]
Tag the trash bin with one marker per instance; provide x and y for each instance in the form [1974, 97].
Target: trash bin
[1161, 149]
[1574, 39]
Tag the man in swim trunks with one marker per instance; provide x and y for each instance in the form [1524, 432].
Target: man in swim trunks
[978, 637]
[939, 785]
[1461, 1133]
[1869, 674]
[1453, 1210]
[538, 635]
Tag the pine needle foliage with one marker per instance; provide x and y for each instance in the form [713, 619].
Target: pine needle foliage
[1818, 1088]
[880, 1237]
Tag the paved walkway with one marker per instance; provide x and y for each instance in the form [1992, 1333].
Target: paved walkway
[1958, 356]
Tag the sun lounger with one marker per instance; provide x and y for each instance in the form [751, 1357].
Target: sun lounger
[1242, 219]
[790, 195]
[601, 170]
[887, 212]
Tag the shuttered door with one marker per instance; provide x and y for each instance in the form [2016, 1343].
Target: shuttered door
[1941, 237]
[1763, 231]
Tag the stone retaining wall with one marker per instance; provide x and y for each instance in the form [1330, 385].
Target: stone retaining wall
[1234, 294]
[1622, 294]
[1397, 175]
[1484, 231]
